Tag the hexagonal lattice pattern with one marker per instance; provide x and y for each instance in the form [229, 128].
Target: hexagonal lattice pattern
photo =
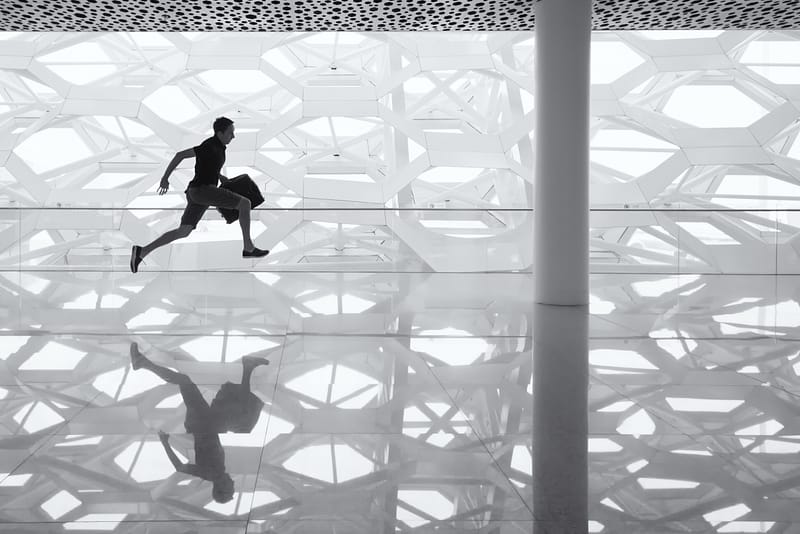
[426, 143]
[692, 165]
[366, 122]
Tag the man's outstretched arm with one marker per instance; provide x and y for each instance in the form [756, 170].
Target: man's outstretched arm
[163, 187]
[189, 469]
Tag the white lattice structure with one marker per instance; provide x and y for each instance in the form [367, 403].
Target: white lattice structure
[685, 130]
[369, 121]
[395, 400]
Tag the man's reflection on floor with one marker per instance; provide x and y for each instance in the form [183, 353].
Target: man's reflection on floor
[234, 409]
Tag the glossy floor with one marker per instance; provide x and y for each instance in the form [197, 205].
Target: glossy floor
[390, 403]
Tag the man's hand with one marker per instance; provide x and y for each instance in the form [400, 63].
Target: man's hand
[163, 187]
[223, 179]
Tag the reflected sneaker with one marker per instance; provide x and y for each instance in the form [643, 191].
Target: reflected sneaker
[136, 258]
[255, 253]
[136, 356]
[253, 361]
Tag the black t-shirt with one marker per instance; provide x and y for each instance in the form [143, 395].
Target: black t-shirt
[209, 456]
[209, 159]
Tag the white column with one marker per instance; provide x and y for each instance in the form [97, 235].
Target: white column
[561, 267]
[560, 419]
[561, 207]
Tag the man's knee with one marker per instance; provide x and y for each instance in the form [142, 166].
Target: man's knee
[185, 229]
[244, 204]
[182, 379]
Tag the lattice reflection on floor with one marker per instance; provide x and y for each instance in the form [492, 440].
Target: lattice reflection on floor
[412, 412]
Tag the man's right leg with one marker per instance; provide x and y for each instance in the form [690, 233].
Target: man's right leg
[197, 411]
[178, 233]
[191, 216]
[140, 361]
[138, 253]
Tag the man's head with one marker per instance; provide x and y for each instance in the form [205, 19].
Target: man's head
[223, 129]
[223, 488]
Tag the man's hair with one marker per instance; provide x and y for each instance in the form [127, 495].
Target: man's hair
[222, 124]
[222, 490]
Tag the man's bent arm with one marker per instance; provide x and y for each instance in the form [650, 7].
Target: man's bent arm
[173, 458]
[180, 156]
[189, 469]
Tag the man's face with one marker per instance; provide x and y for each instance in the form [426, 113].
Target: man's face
[227, 135]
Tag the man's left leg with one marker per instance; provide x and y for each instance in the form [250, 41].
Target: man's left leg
[222, 198]
[249, 363]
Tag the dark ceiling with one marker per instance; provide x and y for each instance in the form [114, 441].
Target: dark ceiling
[387, 15]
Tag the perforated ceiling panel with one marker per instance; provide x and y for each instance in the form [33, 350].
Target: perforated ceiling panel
[386, 15]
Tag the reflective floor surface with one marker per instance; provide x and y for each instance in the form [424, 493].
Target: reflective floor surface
[376, 403]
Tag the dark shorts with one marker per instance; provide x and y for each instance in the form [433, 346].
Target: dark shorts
[198, 200]
[197, 409]
[240, 405]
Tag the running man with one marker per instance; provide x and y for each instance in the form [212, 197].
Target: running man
[202, 192]
[235, 408]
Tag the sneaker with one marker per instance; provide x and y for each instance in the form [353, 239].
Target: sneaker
[136, 258]
[255, 253]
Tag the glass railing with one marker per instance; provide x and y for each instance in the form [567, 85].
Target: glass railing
[352, 239]
[324, 239]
